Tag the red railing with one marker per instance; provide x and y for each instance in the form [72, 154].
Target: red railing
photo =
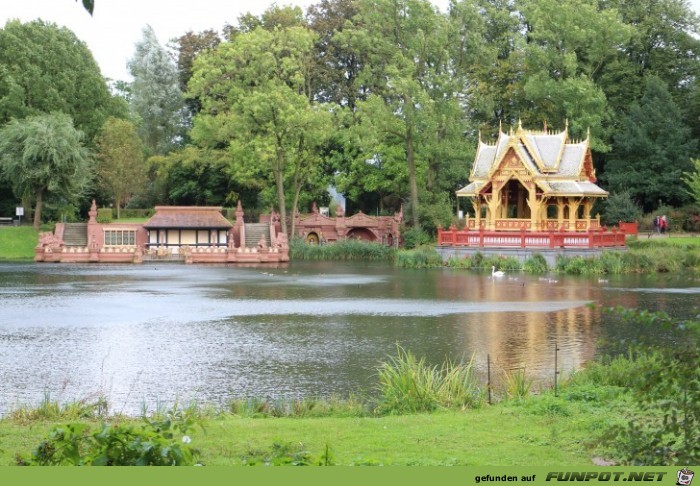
[593, 238]
[547, 225]
[630, 228]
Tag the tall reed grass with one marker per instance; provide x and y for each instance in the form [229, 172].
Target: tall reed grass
[409, 385]
[341, 250]
[643, 259]
[421, 257]
[517, 384]
[53, 410]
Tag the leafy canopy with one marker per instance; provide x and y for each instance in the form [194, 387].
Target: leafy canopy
[44, 155]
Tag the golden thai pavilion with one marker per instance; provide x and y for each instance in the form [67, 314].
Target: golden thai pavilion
[533, 181]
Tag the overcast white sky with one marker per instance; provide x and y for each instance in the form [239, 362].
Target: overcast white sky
[116, 25]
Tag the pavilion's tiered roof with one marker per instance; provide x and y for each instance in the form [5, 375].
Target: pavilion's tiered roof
[557, 165]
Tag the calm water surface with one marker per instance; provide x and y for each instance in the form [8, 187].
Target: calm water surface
[156, 334]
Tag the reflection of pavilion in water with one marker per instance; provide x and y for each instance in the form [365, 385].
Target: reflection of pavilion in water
[517, 340]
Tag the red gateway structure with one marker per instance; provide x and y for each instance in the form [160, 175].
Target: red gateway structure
[189, 234]
[318, 228]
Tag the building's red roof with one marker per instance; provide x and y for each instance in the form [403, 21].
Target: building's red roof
[188, 217]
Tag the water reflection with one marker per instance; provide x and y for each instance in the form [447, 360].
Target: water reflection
[144, 335]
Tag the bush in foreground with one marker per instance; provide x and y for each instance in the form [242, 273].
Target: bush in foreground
[153, 443]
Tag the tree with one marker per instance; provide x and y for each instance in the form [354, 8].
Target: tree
[652, 150]
[46, 68]
[199, 176]
[121, 170]
[43, 156]
[255, 97]
[620, 206]
[188, 47]
[337, 63]
[568, 45]
[692, 179]
[155, 94]
[410, 85]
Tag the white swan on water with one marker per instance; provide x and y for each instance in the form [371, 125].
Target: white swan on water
[495, 273]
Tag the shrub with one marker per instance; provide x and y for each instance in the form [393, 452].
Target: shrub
[667, 393]
[136, 213]
[422, 257]
[535, 264]
[611, 262]
[620, 207]
[104, 215]
[415, 237]
[153, 443]
[437, 211]
[549, 405]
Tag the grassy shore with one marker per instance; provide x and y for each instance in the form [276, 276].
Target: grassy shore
[541, 430]
[17, 243]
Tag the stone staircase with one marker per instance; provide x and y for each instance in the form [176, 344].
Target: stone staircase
[253, 231]
[75, 234]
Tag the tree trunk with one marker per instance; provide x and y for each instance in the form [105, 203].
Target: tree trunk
[412, 176]
[294, 206]
[37, 210]
[116, 203]
[279, 180]
[27, 205]
[297, 182]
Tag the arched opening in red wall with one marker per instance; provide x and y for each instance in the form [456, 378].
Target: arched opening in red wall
[361, 234]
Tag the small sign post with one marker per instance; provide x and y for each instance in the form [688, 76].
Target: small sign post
[19, 211]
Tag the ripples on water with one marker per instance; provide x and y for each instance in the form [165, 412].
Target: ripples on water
[155, 334]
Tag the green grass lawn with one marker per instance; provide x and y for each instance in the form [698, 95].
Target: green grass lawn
[540, 430]
[17, 243]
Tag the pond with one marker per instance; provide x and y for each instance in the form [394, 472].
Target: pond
[153, 335]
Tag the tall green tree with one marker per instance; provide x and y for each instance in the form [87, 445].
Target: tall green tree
[255, 97]
[155, 94]
[568, 45]
[197, 176]
[410, 84]
[120, 161]
[337, 63]
[187, 48]
[46, 68]
[652, 150]
[692, 180]
[44, 156]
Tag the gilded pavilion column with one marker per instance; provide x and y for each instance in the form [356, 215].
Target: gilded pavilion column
[476, 204]
[535, 208]
[560, 211]
[587, 206]
[573, 212]
[493, 207]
